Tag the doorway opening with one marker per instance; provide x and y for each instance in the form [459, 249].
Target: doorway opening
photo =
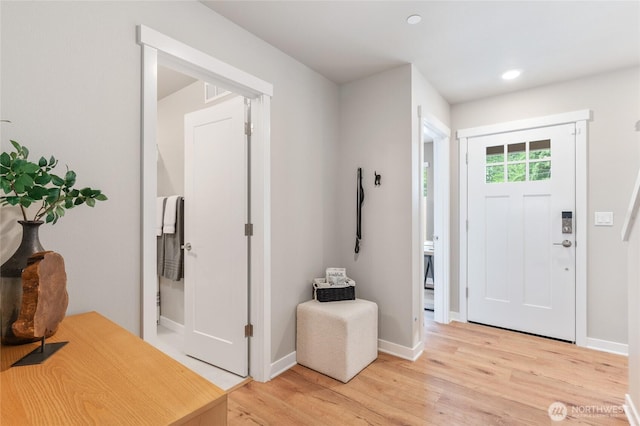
[179, 95]
[158, 49]
[427, 231]
[431, 241]
[520, 208]
[579, 120]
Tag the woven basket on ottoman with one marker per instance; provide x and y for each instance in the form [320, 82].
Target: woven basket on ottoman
[338, 339]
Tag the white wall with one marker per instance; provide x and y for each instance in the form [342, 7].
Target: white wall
[70, 79]
[304, 135]
[375, 134]
[633, 305]
[379, 132]
[612, 166]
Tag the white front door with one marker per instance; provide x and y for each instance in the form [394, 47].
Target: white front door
[216, 256]
[521, 255]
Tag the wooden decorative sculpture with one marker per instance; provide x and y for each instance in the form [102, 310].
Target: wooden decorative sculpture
[44, 302]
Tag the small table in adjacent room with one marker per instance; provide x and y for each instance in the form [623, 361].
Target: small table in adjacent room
[104, 376]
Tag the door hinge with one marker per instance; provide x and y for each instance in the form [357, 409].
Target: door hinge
[248, 330]
[466, 158]
[248, 129]
[248, 229]
[467, 292]
[467, 224]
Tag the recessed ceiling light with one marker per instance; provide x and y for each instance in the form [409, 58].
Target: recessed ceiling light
[414, 19]
[511, 74]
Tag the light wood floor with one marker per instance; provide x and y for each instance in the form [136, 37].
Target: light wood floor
[468, 375]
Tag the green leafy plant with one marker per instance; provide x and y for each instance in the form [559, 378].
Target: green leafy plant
[25, 183]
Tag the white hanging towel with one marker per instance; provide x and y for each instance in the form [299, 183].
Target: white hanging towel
[159, 214]
[169, 222]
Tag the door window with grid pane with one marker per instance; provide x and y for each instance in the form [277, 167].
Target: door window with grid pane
[518, 162]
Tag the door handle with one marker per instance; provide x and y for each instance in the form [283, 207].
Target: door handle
[186, 247]
[565, 243]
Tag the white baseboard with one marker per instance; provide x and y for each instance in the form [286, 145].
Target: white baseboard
[171, 325]
[400, 351]
[282, 365]
[412, 354]
[607, 346]
[631, 411]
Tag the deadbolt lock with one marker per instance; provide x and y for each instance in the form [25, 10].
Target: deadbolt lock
[567, 222]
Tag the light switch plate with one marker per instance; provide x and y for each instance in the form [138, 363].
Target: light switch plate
[604, 219]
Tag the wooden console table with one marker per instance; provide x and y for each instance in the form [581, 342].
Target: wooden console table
[104, 376]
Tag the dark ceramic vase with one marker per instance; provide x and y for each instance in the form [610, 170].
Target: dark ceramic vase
[11, 281]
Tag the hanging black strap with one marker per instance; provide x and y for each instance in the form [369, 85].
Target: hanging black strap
[359, 201]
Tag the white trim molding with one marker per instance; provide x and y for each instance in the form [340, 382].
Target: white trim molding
[631, 411]
[171, 325]
[462, 228]
[149, 179]
[581, 221]
[608, 346]
[282, 365]
[529, 123]
[199, 64]
[400, 351]
[632, 210]
[579, 118]
[157, 49]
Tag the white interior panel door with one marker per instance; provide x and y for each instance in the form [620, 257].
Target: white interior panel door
[216, 257]
[521, 259]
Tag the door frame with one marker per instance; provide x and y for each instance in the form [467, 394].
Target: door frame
[158, 48]
[440, 133]
[579, 118]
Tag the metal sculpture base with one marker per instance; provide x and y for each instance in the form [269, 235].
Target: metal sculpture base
[39, 355]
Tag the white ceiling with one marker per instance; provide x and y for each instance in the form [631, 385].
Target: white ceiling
[461, 47]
